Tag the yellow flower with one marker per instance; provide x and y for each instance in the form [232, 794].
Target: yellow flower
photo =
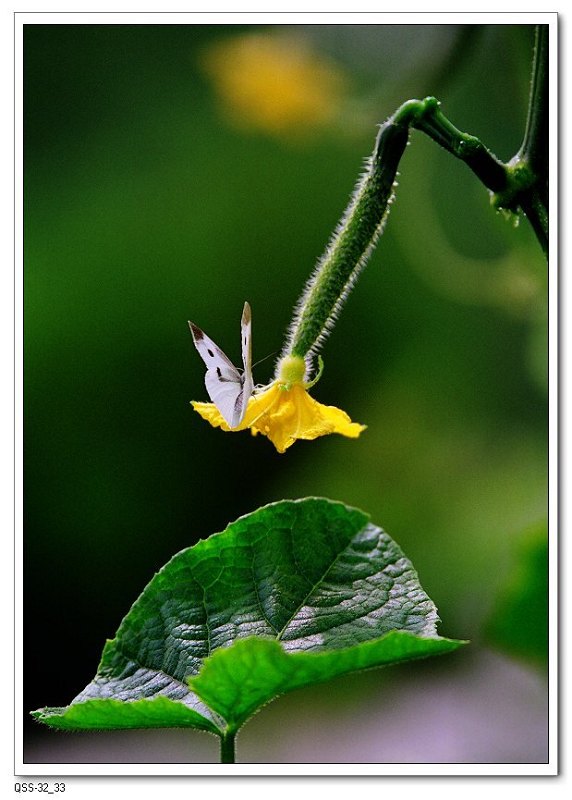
[285, 412]
[275, 83]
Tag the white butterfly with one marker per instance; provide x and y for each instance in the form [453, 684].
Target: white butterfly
[228, 387]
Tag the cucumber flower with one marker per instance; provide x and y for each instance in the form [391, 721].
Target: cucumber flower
[284, 411]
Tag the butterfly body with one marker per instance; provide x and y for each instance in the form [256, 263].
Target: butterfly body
[229, 388]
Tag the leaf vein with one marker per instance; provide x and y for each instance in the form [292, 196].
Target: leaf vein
[258, 599]
[313, 587]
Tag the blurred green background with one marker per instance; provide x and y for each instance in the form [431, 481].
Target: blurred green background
[173, 172]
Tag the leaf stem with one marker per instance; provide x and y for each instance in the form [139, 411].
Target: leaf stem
[227, 747]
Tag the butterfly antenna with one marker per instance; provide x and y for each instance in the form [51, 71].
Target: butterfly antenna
[260, 360]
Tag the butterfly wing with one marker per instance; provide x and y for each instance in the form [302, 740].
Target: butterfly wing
[223, 381]
[246, 344]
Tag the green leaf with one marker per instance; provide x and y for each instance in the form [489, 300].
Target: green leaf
[154, 712]
[236, 681]
[519, 622]
[292, 594]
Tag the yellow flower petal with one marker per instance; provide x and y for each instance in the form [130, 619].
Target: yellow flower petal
[275, 83]
[211, 413]
[284, 415]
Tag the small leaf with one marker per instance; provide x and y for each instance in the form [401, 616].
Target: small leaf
[519, 623]
[236, 681]
[292, 594]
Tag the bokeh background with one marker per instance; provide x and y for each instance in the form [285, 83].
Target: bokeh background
[173, 172]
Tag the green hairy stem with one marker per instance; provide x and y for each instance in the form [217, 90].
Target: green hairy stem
[363, 220]
[521, 185]
[351, 244]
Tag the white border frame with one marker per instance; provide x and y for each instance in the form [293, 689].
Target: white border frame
[22, 769]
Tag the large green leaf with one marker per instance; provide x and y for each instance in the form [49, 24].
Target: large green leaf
[292, 594]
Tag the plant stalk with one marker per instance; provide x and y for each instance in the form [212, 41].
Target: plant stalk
[534, 148]
[227, 748]
[519, 185]
[351, 244]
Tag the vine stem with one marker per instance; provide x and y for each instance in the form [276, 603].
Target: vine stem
[534, 148]
[522, 183]
[519, 185]
[227, 748]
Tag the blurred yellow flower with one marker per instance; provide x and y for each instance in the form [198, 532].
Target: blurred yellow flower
[285, 413]
[274, 82]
